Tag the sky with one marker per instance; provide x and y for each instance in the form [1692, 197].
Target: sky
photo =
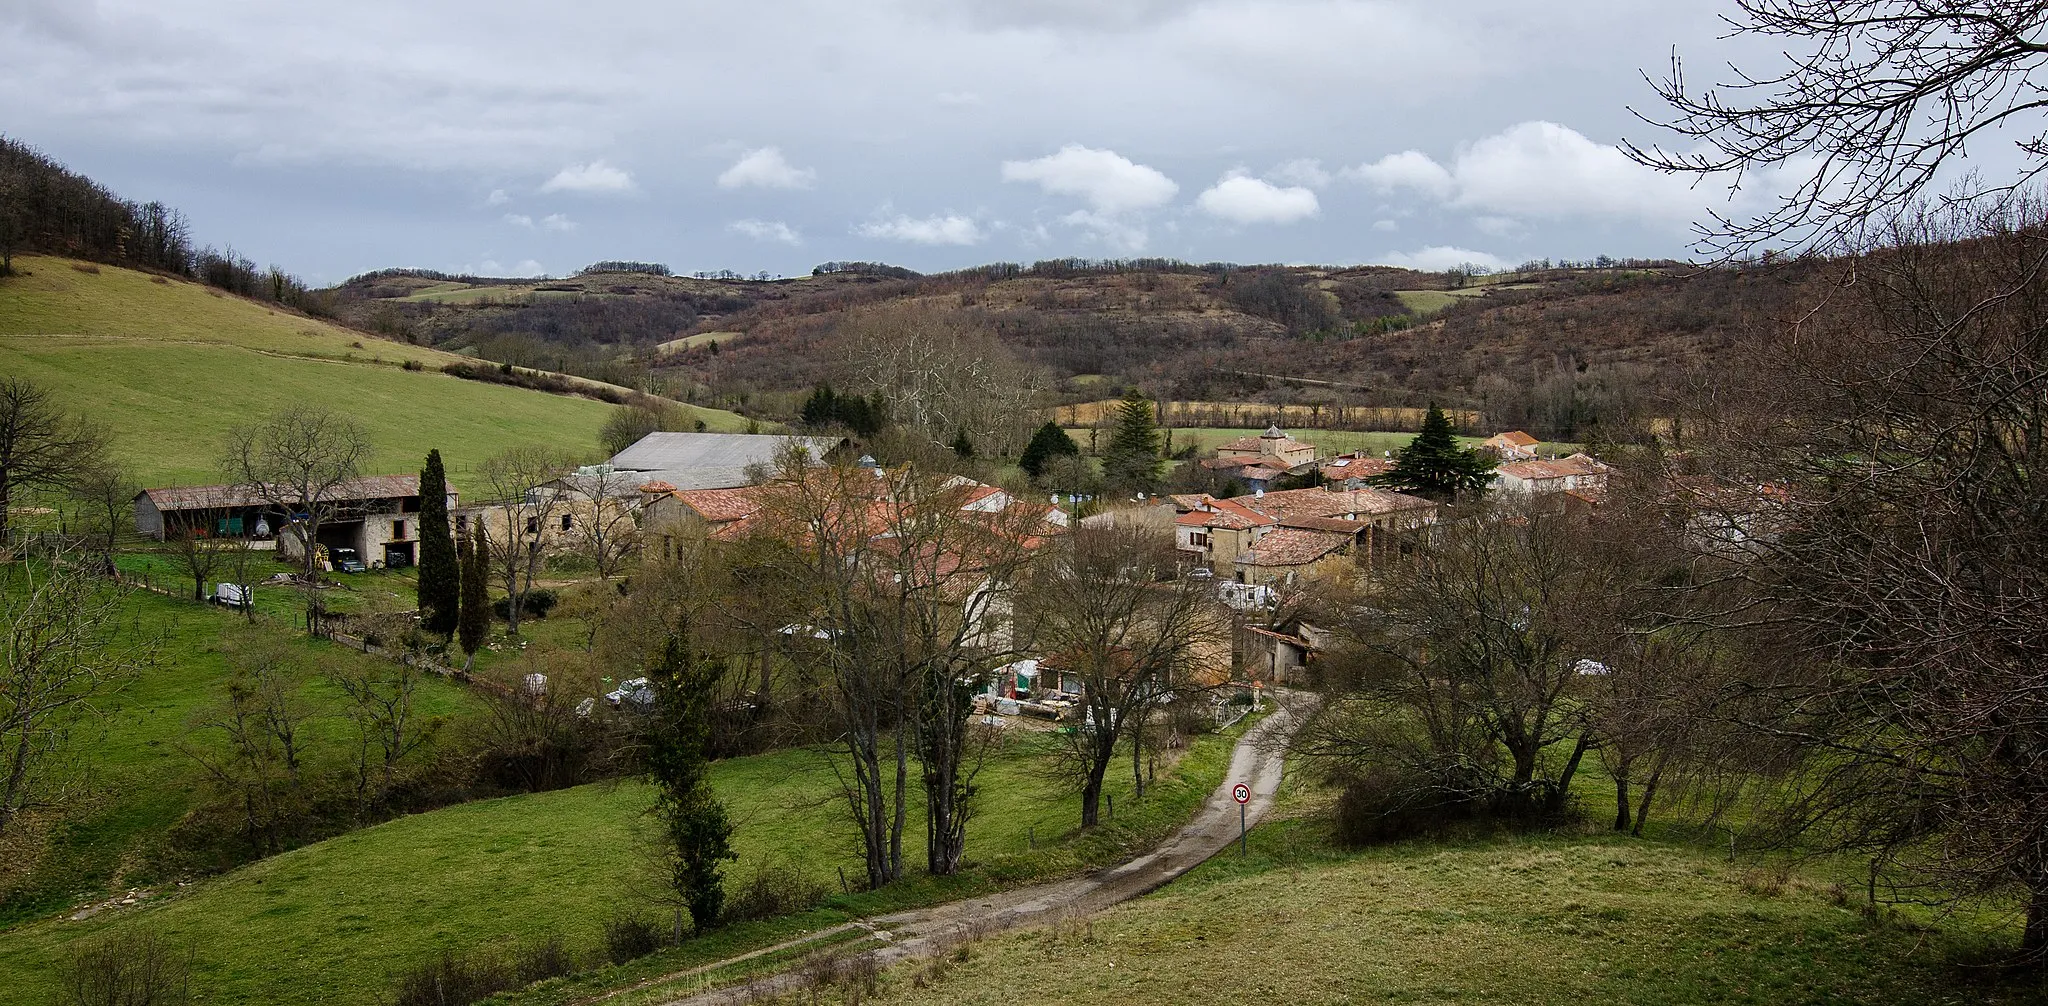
[517, 138]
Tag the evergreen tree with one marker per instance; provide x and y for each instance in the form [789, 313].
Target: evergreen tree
[963, 448]
[440, 586]
[474, 621]
[822, 408]
[1132, 462]
[1049, 442]
[1434, 466]
[696, 830]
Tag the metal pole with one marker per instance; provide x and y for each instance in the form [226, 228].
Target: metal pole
[1241, 853]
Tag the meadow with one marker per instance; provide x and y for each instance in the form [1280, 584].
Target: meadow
[167, 366]
[333, 921]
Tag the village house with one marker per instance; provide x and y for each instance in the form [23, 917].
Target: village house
[717, 460]
[1219, 533]
[1512, 446]
[1286, 555]
[1262, 460]
[1350, 471]
[1281, 654]
[376, 517]
[1576, 472]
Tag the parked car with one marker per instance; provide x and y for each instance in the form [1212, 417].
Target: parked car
[345, 560]
[634, 692]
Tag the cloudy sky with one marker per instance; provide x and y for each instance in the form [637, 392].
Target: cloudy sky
[509, 137]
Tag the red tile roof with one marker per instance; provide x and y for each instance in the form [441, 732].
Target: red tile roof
[1293, 547]
[1331, 503]
[1577, 464]
[1517, 438]
[722, 505]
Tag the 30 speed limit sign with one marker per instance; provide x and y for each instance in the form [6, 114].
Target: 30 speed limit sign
[1241, 793]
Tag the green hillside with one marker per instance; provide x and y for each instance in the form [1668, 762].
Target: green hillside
[169, 365]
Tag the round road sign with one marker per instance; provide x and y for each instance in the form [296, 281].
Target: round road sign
[1241, 793]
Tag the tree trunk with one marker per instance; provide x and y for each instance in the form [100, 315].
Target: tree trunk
[1621, 804]
[1649, 792]
[2034, 940]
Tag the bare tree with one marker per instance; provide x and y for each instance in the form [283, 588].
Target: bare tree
[897, 599]
[609, 532]
[300, 461]
[1110, 608]
[204, 557]
[520, 524]
[65, 650]
[1874, 99]
[388, 729]
[128, 969]
[261, 719]
[105, 496]
[1899, 441]
[941, 374]
[41, 445]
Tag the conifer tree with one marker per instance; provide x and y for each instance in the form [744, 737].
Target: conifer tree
[696, 830]
[1435, 467]
[474, 621]
[1049, 442]
[1132, 462]
[963, 447]
[440, 586]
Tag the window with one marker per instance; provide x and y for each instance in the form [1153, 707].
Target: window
[462, 523]
[1199, 539]
[567, 521]
[533, 525]
[398, 529]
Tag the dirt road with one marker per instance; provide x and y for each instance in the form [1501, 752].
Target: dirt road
[925, 932]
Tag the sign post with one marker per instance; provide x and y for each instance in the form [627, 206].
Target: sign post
[1243, 795]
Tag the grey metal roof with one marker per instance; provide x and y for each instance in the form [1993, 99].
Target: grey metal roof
[712, 460]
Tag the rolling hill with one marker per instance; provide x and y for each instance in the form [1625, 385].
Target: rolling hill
[168, 365]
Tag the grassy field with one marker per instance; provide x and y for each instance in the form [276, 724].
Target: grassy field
[1559, 919]
[329, 923]
[168, 366]
[141, 782]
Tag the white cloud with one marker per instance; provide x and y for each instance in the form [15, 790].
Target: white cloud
[498, 197]
[1301, 171]
[1242, 199]
[766, 230]
[958, 99]
[1385, 226]
[1545, 171]
[557, 222]
[948, 229]
[1119, 233]
[766, 168]
[597, 177]
[492, 267]
[1106, 180]
[1437, 258]
[1409, 169]
[519, 220]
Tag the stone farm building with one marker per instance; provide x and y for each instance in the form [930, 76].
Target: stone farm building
[377, 516]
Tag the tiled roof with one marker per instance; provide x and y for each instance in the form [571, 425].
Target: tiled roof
[1260, 444]
[370, 487]
[712, 460]
[1261, 473]
[1328, 503]
[658, 488]
[1191, 501]
[1229, 514]
[1577, 464]
[1517, 438]
[1292, 547]
[721, 505]
[1355, 466]
[1337, 524]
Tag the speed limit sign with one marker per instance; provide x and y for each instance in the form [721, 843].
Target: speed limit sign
[1243, 795]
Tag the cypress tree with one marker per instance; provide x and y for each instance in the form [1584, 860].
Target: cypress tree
[1049, 442]
[694, 823]
[440, 586]
[1132, 462]
[962, 446]
[1434, 466]
[822, 407]
[474, 621]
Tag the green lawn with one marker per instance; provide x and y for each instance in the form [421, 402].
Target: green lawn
[330, 922]
[168, 367]
[141, 781]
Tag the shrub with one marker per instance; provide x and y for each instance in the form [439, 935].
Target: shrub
[550, 958]
[133, 970]
[452, 980]
[413, 365]
[1389, 804]
[631, 937]
[774, 888]
[539, 601]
